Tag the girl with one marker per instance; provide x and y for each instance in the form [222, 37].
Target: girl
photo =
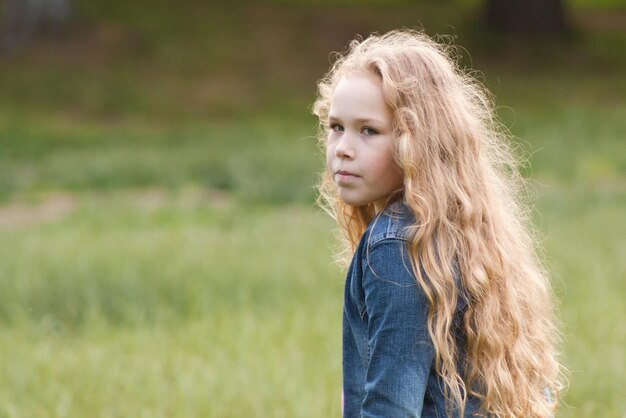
[447, 308]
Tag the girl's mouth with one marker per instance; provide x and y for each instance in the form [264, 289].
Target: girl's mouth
[344, 177]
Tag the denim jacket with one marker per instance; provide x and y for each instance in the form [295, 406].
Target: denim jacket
[388, 355]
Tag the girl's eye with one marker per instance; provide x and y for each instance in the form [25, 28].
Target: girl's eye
[369, 131]
[335, 127]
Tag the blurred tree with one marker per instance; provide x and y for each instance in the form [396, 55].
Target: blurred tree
[527, 18]
[23, 19]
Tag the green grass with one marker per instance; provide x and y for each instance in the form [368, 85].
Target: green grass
[200, 368]
[188, 307]
[262, 160]
[160, 253]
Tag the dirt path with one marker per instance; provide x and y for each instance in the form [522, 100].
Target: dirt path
[54, 207]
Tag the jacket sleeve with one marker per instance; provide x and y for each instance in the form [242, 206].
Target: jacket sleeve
[400, 349]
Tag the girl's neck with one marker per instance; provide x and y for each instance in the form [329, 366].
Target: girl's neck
[383, 203]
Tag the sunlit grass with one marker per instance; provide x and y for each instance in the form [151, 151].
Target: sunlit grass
[170, 305]
[229, 364]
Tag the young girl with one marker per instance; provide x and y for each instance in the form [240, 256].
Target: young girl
[447, 308]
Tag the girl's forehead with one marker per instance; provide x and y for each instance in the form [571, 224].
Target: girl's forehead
[354, 82]
[359, 96]
[357, 72]
[362, 85]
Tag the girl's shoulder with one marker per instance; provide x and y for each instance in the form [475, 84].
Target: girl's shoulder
[393, 222]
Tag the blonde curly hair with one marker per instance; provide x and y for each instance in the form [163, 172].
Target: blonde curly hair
[461, 181]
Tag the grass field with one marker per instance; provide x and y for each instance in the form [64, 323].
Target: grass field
[160, 251]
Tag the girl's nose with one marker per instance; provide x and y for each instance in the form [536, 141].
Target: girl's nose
[344, 149]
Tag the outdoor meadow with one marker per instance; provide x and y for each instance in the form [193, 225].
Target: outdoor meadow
[161, 254]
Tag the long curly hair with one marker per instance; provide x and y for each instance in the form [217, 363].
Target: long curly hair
[461, 182]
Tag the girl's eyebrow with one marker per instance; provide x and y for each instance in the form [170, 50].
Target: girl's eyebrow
[358, 120]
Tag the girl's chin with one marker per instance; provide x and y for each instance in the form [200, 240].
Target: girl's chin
[354, 200]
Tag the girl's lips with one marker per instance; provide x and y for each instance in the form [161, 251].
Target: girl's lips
[345, 173]
[344, 177]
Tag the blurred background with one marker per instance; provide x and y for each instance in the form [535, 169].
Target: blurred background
[161, 254]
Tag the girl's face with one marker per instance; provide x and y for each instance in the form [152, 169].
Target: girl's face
[359, 149]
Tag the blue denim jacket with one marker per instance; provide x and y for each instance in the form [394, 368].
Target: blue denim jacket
[388, 356]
